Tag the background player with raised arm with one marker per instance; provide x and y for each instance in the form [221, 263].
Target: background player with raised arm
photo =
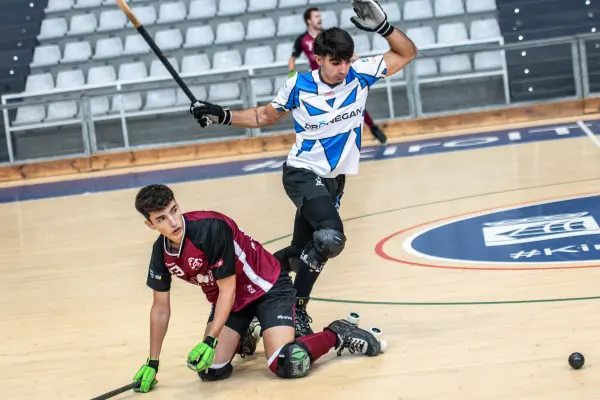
[242, 281]
[305, 43]
[327, 106]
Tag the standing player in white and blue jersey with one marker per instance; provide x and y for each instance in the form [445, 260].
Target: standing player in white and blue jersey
[327, 106]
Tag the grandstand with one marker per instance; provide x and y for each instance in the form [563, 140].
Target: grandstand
[90, 71]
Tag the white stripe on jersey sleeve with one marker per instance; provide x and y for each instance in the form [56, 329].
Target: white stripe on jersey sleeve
[373, 66]
[284, 101]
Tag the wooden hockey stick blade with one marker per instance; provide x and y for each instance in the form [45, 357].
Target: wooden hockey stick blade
[156, 50]
[123, 389]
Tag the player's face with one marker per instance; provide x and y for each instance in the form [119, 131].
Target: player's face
[168, 222]
[315, 20]
[334, 71]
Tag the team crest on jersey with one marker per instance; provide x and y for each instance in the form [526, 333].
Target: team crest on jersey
[195, 263]
[204, 280]
[556, 232]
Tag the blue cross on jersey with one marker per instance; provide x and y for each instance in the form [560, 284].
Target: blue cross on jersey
[329, 121]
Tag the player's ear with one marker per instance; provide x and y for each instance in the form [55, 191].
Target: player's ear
[319, 60]
[149, 224]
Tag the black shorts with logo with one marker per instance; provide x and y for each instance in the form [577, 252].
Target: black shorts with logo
[275, 308]
[302, 184]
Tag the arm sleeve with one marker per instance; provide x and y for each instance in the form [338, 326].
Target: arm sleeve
[216, 240]
[371, 69]
[287, 98]
[159, 277]
[297, 47]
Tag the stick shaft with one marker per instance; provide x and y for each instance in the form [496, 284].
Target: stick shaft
[105, 396]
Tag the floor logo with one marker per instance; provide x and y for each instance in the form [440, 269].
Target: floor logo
[564, 231]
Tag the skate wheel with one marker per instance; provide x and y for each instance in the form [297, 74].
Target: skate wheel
[376, 332]
[383, 346]
[353, 318]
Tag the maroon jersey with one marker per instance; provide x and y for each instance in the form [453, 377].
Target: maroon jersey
[306, 44]
[213, 248]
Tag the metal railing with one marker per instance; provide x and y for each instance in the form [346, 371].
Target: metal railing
[409, 94]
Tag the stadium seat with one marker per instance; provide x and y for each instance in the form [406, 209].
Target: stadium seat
[65, 109]
[451, 34]
[224, 60]
[279, 83]
[262, 55]
[284, 51]
[169, 39]
[262, 5]
[198, 36]
[100, 76]
[487, 60]
[291, 3]
[161, 98]
[52, 28]
[423, 37]
[77, 52]
[46, 55]
[444, 8]
[362, 44]
[380, 44]
[127, 72]
[135, 44]
[329, 18]
[230, 32]
[39, 83]
[108, 48]
[474, 6]
[146, 15]
[345, 22]
[417, 9]
[171, 12]
[290, 25]
[228, 7]
[392, 11]
[200, 9]
[193, 64]
[485, 29]
[87, 3]
[320, 1]
[59, 5]
[261, 28]
[30, 115]
[112, 20]
[82, 24]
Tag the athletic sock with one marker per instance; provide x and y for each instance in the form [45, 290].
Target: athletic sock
[305, 280]
[319, 344]
[369, 120]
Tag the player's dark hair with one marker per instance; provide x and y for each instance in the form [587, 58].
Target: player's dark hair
[153, 198]
[308, 14]
[335, 43]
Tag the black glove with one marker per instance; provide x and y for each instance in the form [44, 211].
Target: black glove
[207, 113]
[371, 17]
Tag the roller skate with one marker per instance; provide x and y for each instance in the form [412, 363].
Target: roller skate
[303, 320]
[355, 339]
[250, 339]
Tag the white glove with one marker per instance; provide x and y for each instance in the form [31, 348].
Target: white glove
[371, 17]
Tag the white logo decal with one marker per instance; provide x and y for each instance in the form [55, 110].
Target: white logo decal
[195, 263]
[540, 228]
[250, 289]
[175, 270]
[284, 317]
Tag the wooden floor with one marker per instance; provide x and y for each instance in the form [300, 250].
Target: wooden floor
[75, 308]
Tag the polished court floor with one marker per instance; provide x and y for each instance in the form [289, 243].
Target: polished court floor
[75, 308]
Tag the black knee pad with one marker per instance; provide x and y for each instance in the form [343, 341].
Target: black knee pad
[212, 375]
[293, 361]
[329, 242]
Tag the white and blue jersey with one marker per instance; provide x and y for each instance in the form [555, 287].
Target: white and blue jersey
[329, 120]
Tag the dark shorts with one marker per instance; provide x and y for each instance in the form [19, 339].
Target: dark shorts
[301, 184]
[275, 308]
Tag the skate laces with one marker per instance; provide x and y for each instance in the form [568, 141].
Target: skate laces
[303, 318]
[352, 344]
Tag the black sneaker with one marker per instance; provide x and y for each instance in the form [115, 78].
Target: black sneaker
[303, 320]
[379, 135]
[250, 340]
[354, 339]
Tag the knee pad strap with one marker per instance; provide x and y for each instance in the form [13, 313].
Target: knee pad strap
[212, 375]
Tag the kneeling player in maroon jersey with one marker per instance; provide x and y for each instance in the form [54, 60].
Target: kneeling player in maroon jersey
[242, 280]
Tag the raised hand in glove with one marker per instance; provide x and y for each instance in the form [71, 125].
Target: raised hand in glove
[147, 376]
[370, 17]
[201, 357]
[207, 113]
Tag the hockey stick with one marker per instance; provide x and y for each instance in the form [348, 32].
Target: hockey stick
[142, 31]
[120, 390]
